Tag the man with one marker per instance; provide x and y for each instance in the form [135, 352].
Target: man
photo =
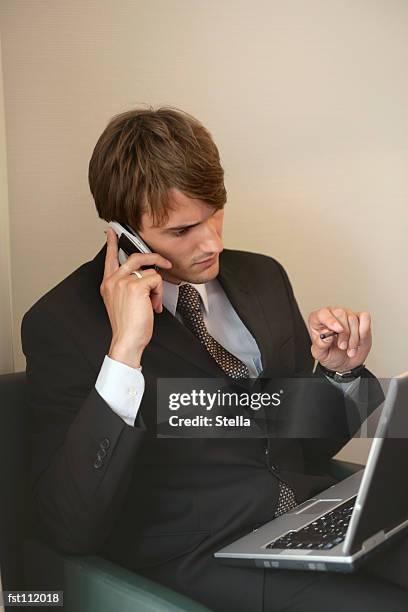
[97, 344]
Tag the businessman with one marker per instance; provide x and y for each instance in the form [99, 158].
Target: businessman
[97, 343]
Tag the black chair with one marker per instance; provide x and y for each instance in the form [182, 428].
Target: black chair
[14, 469]
[90, 583]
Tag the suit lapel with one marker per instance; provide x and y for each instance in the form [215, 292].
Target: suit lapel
[101, 331]
[247, 305]
[170, 334]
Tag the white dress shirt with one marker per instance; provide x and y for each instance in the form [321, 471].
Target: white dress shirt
[122, 387]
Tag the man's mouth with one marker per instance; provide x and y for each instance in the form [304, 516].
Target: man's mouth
[208, 261]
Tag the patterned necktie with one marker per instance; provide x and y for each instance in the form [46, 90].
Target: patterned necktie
[189, 306]
[286, 500]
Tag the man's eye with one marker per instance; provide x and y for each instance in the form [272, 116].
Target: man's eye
[182, 231]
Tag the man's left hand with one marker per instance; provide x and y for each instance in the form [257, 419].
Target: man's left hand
[350, 347]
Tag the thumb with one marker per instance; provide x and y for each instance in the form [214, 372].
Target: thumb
[321, 347]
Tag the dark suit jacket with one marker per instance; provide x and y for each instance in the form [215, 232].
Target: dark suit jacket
[155, 500]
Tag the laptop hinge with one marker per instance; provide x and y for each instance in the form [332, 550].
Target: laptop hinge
[374, 540]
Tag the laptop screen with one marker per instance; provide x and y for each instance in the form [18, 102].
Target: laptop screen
[386, 495]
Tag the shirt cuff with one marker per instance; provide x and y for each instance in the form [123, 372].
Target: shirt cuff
[121, 387]
[350, 389]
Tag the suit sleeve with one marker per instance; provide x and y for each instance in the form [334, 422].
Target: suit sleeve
[82, 453]
[317, 450]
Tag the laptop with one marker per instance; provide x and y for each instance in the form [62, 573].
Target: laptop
[342, 526]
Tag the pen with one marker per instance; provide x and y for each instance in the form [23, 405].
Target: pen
[328, 335]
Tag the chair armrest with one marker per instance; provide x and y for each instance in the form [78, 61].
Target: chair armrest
[341, 469]
[94, 584]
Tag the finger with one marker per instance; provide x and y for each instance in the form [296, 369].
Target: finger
[364, 327]
[343, 337]
[156, 296]
[354, 339]
[323, 320]
[137, 260]
[144, 273]
[154, 284]
[111, 258]
[321, 347]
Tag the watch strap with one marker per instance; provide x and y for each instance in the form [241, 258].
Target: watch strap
[343, 377]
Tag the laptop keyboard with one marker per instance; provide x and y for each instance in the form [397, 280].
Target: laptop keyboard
[324, 533]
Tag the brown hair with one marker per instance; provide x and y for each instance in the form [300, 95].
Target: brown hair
[141, 154]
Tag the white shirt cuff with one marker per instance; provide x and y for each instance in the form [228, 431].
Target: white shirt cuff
[121, 387]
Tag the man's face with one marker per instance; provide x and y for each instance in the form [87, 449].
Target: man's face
[191, 239]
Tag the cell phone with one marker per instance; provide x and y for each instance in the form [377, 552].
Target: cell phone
[129, 242]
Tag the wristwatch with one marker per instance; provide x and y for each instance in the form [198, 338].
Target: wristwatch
[343, 377]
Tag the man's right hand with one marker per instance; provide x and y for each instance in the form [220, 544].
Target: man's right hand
[130, 301]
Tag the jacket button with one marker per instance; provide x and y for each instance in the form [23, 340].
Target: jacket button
[98, 462]
[105, 443]
[101, 453]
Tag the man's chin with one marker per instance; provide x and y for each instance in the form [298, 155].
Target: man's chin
[197, 276]
[193, 274]
[203, 276]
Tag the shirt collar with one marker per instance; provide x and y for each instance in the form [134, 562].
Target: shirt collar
[171, 292]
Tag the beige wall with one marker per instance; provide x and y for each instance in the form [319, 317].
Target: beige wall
[6, 323]
[307, 101]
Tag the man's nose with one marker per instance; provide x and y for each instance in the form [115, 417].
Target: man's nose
[211, 241]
